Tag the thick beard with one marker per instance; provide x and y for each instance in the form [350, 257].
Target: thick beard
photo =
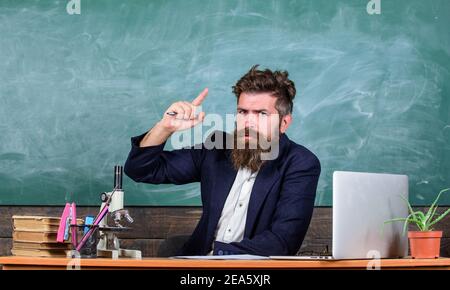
[247, 158]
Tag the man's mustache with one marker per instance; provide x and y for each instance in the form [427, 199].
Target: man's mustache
[248, 132]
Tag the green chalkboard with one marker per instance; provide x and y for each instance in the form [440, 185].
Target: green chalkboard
[373, 90]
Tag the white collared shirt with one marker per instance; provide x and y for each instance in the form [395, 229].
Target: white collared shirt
[231, 224]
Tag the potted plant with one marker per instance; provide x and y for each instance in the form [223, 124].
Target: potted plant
[424, 243]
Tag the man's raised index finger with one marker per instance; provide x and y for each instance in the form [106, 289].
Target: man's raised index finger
[199, 99]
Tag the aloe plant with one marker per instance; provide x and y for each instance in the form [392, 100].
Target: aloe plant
[423, 221]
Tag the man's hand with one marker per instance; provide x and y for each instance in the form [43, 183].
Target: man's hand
[184, 118]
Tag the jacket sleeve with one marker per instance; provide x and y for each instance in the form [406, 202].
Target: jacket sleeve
[291, 218]
[154, 165]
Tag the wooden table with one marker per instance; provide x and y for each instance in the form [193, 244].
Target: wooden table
[13, 262]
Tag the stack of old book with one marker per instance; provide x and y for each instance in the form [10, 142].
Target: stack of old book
[36, 236]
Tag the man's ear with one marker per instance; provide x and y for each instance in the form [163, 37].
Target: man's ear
[285, 122]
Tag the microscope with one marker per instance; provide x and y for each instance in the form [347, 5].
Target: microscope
[108, 245]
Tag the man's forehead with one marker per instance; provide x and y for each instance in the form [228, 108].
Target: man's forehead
[257, 101]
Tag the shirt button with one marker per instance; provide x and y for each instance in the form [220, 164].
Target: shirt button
[240, 205]
[229, 230]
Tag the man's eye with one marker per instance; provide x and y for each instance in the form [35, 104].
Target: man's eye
[263, 113]
[241, 112]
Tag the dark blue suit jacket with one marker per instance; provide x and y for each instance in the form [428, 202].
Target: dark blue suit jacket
[281, 202]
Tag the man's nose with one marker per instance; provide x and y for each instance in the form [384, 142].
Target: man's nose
[251, 121]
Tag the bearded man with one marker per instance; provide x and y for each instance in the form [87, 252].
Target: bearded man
[257, 196]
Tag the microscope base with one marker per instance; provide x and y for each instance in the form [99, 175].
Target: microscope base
[120, 253]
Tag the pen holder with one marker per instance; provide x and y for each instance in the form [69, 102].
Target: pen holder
[89, 249]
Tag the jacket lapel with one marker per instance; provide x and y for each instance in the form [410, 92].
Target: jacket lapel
[266, 177]
[218, 197]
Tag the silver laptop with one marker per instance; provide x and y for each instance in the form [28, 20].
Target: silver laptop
[362, 202]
